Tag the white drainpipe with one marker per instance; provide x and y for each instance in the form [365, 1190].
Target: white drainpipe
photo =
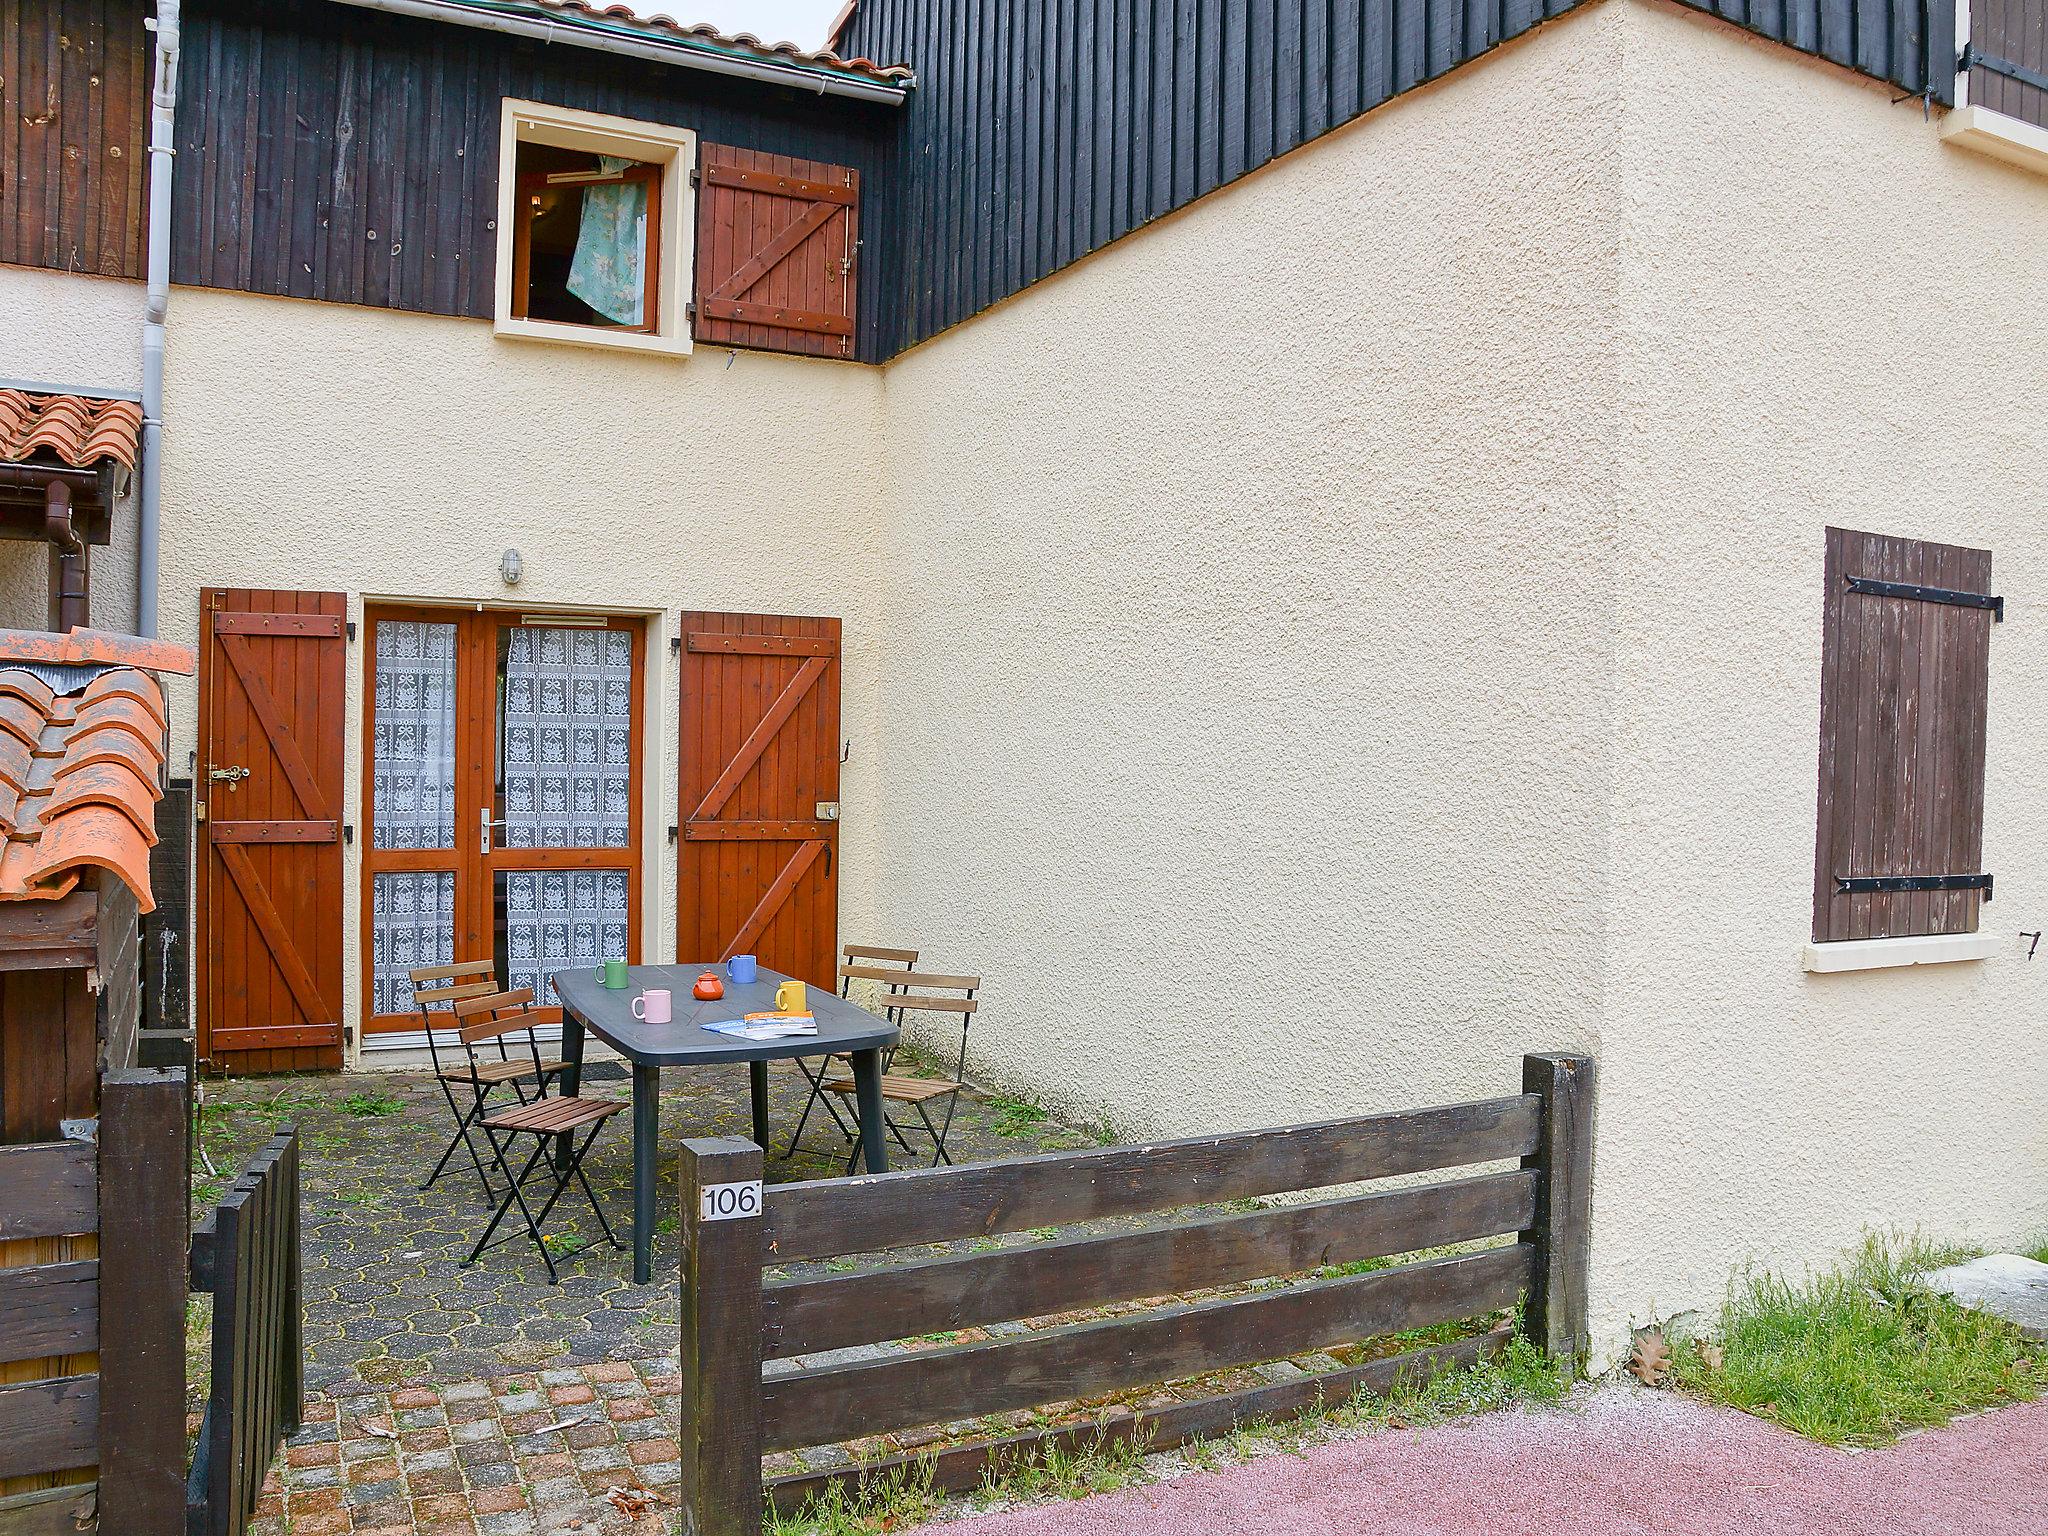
[163, 105]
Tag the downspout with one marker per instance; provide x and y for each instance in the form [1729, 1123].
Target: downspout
[163, 104]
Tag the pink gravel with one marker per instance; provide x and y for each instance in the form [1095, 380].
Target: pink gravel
[1621, 1460]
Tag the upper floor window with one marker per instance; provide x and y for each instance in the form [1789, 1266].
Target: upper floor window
[593, 229]
[2007, 59]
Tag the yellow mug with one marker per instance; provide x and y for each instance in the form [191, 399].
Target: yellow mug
[789, 997]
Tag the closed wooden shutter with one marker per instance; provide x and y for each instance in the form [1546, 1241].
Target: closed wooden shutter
[1905, 666]
[776, 238]
[272, 699]
[2008, 59]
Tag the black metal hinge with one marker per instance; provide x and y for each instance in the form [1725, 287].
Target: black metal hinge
[1973, 58]
[1874, 588]
[1861, 885]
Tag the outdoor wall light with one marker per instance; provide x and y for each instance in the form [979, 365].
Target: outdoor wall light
[511, 567]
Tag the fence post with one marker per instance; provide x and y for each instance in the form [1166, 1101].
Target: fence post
[1562, 1234]
[721, 1343]
[142, 1301]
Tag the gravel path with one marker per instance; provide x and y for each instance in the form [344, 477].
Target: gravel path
[1619, 1461]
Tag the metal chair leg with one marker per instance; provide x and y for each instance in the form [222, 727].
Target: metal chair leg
[818, 1095]
[514, 1192]
[464, 1120]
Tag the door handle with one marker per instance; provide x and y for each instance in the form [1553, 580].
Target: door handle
[484, 830]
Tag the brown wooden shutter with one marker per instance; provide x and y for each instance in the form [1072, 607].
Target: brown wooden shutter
[758, 870]
[2007, 58]
[1905, 666]
[272, 696]
[776, 239]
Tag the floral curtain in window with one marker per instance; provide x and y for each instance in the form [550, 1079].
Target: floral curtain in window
[412, 923]
[608, 271]
[556, 919]
[568, 737]
[413, 794]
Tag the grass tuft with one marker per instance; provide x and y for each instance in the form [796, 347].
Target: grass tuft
[371, 1104]
[1863, 1353]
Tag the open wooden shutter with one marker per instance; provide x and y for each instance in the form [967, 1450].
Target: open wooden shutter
[758, 869]
[1905, 672]
[272, 689]
[2007, 58]
[776, 239]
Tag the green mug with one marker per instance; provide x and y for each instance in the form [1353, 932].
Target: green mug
[613, 974]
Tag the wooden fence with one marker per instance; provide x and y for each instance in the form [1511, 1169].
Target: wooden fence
[246, 1252]
[734, 1319]
[95, 1317]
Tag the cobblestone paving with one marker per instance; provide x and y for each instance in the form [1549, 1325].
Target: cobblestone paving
[386, 1296]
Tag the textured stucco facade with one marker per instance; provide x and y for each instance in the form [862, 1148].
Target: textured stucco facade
[1356, 630]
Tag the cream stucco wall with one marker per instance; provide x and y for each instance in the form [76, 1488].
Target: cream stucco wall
[71, 332]
[1372, 619]
[1829, 317]
[392, 455]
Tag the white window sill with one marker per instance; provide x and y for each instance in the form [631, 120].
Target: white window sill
[1880, 954]
[675, 345]
[2003, 138]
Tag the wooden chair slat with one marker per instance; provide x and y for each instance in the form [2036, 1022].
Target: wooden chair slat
[921, 979]
[933, 1004]
[455, 992]
[859, 952]
[449, 972]
[491, 1028]
[518, 997]
[872, 973]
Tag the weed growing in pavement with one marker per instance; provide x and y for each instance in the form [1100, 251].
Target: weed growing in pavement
[884, 1501]
[371, 1104]
[1862, 1353]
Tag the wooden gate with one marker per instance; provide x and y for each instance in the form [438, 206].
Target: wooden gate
[271, 710]
[757, 871]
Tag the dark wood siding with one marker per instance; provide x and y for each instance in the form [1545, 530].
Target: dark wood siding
[1904, 685]
[74, 109]
[1042, 130]
[2014, 33]
[328, 152]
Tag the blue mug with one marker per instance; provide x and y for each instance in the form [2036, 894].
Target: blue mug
[741, 969]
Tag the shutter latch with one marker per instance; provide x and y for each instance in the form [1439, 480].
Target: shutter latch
[1870, 586]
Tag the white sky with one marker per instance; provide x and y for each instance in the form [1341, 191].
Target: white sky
[802, 22]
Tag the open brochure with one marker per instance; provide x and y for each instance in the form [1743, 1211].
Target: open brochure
[766, 1026]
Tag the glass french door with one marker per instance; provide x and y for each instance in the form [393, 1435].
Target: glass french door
[502, 798]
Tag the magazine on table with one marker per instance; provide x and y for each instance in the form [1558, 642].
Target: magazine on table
[766, 1026]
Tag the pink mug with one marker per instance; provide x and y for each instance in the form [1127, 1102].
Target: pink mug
[656, 1001]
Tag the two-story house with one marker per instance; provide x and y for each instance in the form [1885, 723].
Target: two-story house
[1317, 546]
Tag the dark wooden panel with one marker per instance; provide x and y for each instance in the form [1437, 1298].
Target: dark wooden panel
[335, 153]
[777, 239]
[41, 935]
[142, 1289]
[48, 1189]
[962, 1467]
[721, 1330]
[1226, 86]
[61, 1511]
[1904, 697]
[902, 1301]
[49, 1426]
[1561, 1230]
[73, 114]
[876, 1396]
[817, 1220]
[48, 1310]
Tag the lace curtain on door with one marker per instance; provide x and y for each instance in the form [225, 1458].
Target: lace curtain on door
[412, 917]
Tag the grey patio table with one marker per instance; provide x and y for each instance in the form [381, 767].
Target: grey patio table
[843, 1029]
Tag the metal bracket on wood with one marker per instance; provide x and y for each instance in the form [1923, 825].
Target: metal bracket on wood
[1861, 885]
[1974, 58]
[1870, 586]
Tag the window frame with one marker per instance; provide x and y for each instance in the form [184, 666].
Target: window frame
[671, 223]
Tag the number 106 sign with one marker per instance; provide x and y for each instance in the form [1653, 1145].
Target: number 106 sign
[729, 1202]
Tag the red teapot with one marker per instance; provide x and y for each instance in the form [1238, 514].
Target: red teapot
[708, 987]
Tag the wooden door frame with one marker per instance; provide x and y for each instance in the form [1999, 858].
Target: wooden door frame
[476, 723]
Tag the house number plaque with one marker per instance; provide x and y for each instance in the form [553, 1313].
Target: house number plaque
[729, 1202]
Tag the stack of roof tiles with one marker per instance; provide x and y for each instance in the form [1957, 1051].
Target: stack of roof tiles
[81, 771]
[78, 430]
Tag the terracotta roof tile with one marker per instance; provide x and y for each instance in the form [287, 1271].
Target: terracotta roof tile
[80, 777]
[75, 429]
[821, 61]
[96, 647]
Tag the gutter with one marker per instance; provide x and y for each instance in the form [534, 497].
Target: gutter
[163, 104]
[634, 44]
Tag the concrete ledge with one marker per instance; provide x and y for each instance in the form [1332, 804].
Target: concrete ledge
[1878, 954]
[2003, 138]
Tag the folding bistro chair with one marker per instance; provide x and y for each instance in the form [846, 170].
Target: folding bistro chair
[454, 984]
[858, 962]
[920, 1092]
[543, 1117]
